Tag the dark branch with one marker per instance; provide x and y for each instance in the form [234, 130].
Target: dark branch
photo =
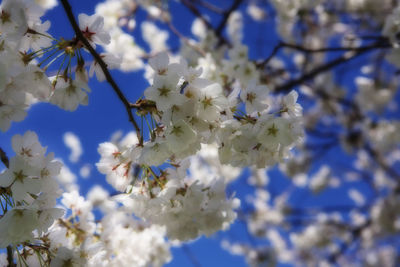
[303, 49]
[330, 65]
[227, 14]
[273, 54]
[193, 9]
[102, 64]
[4, 158]
[320, 50]
[10, 257]
[386, 167]
[355, 235]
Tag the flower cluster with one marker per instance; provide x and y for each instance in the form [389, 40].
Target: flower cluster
[20, 81]
[78, 240]
[27, 50]
[185, 112]
[187, 207]
[29, 187]
[192, 110]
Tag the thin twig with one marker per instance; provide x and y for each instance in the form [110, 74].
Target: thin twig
[210, 6]
[102, 64]
[329, 65]
[185, 39]
[282, 44]
[191, 256]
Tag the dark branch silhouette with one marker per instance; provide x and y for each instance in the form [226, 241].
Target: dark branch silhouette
[103, 66]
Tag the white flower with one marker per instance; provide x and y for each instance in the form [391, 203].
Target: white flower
[187, 209]
[123, 45]
[47, 199]
[290, 106]
[255, 97]
[92, 29]
[159, 63]
[35, 81]
[211, 102]
[235, 27]
[357, 197]
[23, 179]
[320, 180]
[370, 97]
[256, 12]
[122, 235]
[3, 260]
[164, 92]
[14, 22]
[36, 37]
[9, 114]
[69, 94]
[47, 4]
[198, 28]
[180, 137]
[154, 153]
[115, 166]
[28, 148]
[17, 225]
[392, 26]
[274, 131]
[68, 257]
[97, 195]
[154, 37]
[111, 61]
[78, 205]
[47, 217]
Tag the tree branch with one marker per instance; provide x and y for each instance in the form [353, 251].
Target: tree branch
[322, 49]
[4, 158]
[275, 51]
[227, 14]
[185, 39]
[355, 235]
[210, 6]
[193, 9]
[10, 256]
[283, 44]
[102, 64]
[329, 65]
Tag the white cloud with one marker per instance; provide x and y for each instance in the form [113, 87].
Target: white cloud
[72, 142]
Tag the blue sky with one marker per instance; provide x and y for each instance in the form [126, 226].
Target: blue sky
[95, 123]
[105, 114]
